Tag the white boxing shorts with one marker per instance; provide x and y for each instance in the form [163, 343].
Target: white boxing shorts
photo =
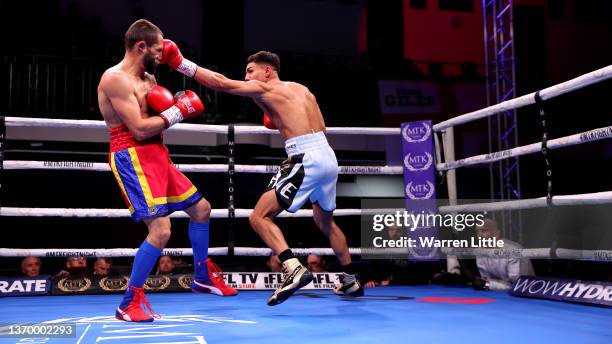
[310, 173]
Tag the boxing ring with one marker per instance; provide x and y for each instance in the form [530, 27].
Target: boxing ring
[417, 313]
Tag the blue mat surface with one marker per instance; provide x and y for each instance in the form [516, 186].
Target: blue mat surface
[420, 314]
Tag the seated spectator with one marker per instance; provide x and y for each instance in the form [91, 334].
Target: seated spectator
[75, 266]
[499, 273]
[274, 264]
[30, 266]
[102, 266]
[165, 266]
[317, 263]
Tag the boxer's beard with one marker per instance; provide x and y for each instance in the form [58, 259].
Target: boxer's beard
[150, 64]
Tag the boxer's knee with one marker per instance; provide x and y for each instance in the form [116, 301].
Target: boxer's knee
[159, 232]
[255, 219]
[265, 211]
[164, 235]
[200, 212]
[258, 221]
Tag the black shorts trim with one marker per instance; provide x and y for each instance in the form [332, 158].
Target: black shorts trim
[285, 196]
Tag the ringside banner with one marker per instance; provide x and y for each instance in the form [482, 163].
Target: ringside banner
[588, 292]
[182, 282]
[13, 286]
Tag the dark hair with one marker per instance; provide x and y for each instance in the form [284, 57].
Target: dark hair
[141, 30]
[266, 57]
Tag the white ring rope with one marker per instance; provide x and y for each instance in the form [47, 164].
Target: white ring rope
[560, 253]
[571, 140]
[113, 213]
[186, 127]
[541, 253]
[98, 166]
[528, 99]
[131, 252]
[604, 197]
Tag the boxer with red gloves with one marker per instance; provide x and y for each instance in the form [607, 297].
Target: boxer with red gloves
[171, 55]
[310, 172]
[175, 109]
[150, 184]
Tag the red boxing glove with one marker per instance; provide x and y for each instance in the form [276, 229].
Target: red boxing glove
[159, 99]
[268, 122]
[171, 55]
[187, 105]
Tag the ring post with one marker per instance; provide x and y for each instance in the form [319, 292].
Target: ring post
[231, 210]
[2, 137]
[448, 142]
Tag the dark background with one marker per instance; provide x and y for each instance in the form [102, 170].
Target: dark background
[338, 48]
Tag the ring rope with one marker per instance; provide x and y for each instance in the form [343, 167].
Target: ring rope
[221, 168]
[528, 99]
[561, 253]
[571, 140]
[113, 213]
[187, 127]
[131, 252]
[604, 197]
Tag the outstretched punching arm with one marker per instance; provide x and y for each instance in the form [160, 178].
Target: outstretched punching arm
[172, 56]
